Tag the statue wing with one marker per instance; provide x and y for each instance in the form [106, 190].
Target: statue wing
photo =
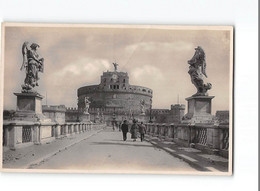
[25, 49]
[204, 68]
[202, 57]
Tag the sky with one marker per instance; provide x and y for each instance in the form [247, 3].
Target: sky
[154, 57]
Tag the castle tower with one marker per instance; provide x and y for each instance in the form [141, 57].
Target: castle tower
[177, 112]
[115, 95]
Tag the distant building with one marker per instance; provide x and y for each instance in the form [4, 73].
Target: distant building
[114, 95]
[222, 116]
[55, 113]
[114, 99]
[173, 115]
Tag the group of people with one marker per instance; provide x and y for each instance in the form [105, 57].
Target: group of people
[134, 130]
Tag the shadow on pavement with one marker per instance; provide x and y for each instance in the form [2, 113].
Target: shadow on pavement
[121, 144]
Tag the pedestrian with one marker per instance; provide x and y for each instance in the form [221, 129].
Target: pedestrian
[120, 126]
[113, 125]
[142, 131]
[124, 129]
[134, 130]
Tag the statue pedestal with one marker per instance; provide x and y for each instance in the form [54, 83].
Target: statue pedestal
[29, 107]
[84, 117]
[142, 118]
[199, 109]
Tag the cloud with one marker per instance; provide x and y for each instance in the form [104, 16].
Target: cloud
[165, 46]
[62, 85]
[147, 74]
[84, 66]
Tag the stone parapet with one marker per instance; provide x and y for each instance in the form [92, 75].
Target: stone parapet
[210, 138]
[17, 134]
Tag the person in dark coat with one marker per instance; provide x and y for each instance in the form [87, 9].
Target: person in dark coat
[142, 130]
[134, 130]
[124, 128]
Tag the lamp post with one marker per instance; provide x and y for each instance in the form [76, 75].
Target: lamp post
[150, 120]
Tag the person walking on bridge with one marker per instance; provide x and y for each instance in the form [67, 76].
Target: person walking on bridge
[142, 131]
[134, 130]
[124, 128]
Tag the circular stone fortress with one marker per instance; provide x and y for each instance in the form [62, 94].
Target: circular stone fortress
[114, 96]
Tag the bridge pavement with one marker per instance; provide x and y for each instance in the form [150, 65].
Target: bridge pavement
[106, 152]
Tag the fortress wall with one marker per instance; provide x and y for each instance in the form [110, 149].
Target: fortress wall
[55, 113]
[115, 100]
[131, 89]
[72, 115]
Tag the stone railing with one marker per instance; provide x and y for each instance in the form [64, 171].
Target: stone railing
[18, 134]
[207, 137]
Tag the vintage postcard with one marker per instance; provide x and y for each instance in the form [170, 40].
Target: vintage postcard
[128, 99]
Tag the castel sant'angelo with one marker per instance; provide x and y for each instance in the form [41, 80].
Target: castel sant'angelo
[115, 97]
[115, 100]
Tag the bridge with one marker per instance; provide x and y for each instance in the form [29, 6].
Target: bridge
[98, 148]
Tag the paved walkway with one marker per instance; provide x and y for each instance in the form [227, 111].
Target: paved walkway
[195, 157]
[107, 152]
[25, 157]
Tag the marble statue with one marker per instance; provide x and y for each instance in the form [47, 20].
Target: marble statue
[197, 70]
[87, 102]
[142, 103]
[32, 64]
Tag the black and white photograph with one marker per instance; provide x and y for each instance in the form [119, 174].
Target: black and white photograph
[120, 99]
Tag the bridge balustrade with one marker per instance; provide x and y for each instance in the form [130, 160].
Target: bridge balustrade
[211, 138]
[24, 133]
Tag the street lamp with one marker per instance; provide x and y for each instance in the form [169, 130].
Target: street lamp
[150, 121]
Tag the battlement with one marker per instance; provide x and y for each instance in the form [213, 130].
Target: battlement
[53, 108]
[73, 109]
[160, 111]
[130, 89]
[177, 106]
[109, 73]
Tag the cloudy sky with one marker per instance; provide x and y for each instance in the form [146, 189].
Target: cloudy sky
[153, 57]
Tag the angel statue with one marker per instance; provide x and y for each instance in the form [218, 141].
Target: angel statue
[115, 66]
[32, 63]
[142, 103]
[197, 69]
[87, 102]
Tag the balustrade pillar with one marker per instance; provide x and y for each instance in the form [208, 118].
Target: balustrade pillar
[36, 134]
[12, 137]
[170, 131]
[153, 130]
[80, 127]
[166, 132]
[215, 136]
[76, 127]
[66, 129]
[71, 129]
[57, 130]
